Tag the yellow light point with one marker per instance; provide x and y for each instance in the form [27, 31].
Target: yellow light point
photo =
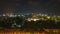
[35, 19]
[31, 19]
[48, 17]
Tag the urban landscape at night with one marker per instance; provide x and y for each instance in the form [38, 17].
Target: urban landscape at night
[30, 22]
[29, 16]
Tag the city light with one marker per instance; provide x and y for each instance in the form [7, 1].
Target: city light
[29, 16]
[48, 17]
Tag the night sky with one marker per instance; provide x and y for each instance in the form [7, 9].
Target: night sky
[28, 6]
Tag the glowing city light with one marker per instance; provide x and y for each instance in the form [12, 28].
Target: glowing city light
[35, 19]
[31, 19]
[48, 17]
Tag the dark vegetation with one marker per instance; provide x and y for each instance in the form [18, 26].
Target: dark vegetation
[6, 22]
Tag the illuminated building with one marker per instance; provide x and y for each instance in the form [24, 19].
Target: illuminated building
[34, 16]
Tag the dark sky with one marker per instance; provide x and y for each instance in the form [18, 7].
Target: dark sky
[28, 6]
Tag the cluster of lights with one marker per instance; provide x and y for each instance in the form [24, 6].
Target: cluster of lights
[36, 19]
[33, 19]
[42, 14]
[12, 15]
[56, 18]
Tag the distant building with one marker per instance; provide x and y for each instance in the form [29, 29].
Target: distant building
[36, 17]
[8, 11]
